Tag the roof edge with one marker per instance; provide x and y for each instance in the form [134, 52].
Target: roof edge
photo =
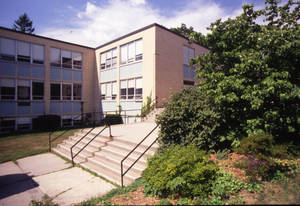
[43, 37]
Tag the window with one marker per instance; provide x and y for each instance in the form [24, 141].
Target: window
[187, 82]
[123, 89]
[23, 90]
[131, 89]
[66, 91]
[66, 58]
[7, 49]
[55, 91]
[66, 121]
[38, 54]
[55, 57]
[7, 125]
[7, 88]
[132, 51]
[109, 91]
[77, 91]
[23, 123]
[37, 90]
[188, 54]
[139, 88]
[77, 60]
[23, 52]
[108, 59]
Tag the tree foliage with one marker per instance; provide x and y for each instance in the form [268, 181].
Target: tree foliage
[251, 75]
[23, 24]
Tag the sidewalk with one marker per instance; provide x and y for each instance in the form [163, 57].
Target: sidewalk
[47, 174]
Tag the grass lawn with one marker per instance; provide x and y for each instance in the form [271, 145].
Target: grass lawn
[22, 145]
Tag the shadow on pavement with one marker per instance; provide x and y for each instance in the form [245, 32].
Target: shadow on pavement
[15, 183]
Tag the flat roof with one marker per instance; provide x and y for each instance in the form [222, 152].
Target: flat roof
[43, 37]
[112, 41]
[144, 28]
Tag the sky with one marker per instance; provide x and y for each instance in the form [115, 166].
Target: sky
[95, 22]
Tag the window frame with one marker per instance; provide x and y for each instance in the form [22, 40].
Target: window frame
[37, 97]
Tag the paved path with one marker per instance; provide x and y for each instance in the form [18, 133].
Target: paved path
[47, 174]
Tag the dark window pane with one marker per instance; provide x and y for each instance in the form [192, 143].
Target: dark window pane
[37, 90]
[23, 92]
[138, 93]
[66, 92]
[7, 93]
[67, 62]
[55, 92]
[123, 93]
[130, 93]
[77, 91]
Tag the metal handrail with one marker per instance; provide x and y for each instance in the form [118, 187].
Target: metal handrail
[123, 174]
[87, 143]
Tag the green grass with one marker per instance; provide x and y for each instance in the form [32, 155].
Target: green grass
[18, 146]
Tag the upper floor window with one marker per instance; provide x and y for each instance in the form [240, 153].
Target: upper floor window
[65, 59]
[188, 54]
[108, 59]
[133, 51]
[7, 88]
[24, 51]
[65, 91]
[23, 90]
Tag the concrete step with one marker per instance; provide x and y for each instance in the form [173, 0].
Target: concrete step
[107, 171]
[78, 159]
[88, 150]
[96, 145]
[67, 153]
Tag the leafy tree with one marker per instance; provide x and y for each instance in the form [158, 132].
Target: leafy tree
[191, 34]
[251, 75]
[23, 24]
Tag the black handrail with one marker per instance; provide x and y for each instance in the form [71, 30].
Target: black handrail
[82, 115]
[86, 143]
[123, 174]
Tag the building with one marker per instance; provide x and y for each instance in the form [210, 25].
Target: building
[39, 75]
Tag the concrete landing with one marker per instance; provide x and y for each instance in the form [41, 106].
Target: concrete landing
[47, 174]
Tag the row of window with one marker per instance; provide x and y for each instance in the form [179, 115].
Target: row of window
[129, 89]
[66, 59]
[108, 59]
[63, 91]
[25, 89]
[12, 50]
[130, 52]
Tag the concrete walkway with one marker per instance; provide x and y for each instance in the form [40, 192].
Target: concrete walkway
[35, 177]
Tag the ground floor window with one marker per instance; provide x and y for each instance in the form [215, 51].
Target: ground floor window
[24, 123]
[7, 125]
[131, 88]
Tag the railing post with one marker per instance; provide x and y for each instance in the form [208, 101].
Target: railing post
[49, 141]
[109, 130]
[122, 174]
[72, 157]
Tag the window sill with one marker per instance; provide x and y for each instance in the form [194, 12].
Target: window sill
[129, 63]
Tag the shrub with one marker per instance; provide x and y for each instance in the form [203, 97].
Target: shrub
[188, 118]
[183, 171]
[113, 119]
[46, 122]
[164, 202]
[147, 107]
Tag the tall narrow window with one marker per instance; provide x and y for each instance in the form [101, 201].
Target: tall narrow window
[77, 60]
[124, 54]
[114, 90]
[139, 88]
[55, 57]
[138, 50]
[37, 90]
[123, 89]
[66, 91]
[23, 90]
[102, 60]
[108, 59]
[131, 52]
[23, 51]
[38, 54]
[103, 91]
[114, 58]
[66, 58]
[7, 49]
[7, 88]
[131, 86]
[77, 91]
[55, 91]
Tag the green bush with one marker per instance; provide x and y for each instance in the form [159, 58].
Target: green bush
[113, 119]
[148, 106]
[188, 118]
[183, 171]
[164, 202]
[46, 122]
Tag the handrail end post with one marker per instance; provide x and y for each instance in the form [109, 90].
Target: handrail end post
[49, 142]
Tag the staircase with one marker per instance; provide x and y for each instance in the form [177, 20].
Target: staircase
[104, 155]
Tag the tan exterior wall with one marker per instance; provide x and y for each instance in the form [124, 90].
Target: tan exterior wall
[148, 70]
[88, 65]
[169, 63]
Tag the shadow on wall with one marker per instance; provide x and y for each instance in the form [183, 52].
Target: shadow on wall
[15, 183]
